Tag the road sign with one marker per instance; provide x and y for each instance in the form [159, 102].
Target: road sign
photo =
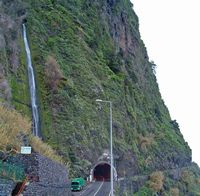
[25, 149]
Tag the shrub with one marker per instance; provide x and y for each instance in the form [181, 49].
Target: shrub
[145, 141]
[148, 161]
[198, 181]
[174, 192]
[186, 176]
[53, 73]
[156, 181]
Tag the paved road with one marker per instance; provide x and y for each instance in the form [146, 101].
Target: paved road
[95, 189]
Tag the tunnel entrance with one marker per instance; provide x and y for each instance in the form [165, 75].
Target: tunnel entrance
[101, 172]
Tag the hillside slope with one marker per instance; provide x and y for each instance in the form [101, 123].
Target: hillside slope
[83, 50]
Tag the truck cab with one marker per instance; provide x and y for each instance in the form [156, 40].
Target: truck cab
[77, 184]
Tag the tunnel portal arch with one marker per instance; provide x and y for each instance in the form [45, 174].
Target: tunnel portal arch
[101, 171]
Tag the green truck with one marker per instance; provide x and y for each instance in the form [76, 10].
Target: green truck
[77, 184]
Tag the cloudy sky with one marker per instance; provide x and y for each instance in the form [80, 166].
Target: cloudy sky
[171, 32]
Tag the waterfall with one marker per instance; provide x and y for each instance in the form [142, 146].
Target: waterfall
[32, 86]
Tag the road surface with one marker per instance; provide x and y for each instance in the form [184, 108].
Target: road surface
[95, 189]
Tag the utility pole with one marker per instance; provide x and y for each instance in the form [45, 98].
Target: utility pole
[111, 146]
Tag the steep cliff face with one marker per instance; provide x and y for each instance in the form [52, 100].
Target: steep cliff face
[97, 49]
[83, 50]
[12, 71]
[7, 45]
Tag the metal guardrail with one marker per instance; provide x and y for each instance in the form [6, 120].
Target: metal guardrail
[13, 172]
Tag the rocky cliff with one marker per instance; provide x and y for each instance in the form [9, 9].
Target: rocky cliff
[83, 50]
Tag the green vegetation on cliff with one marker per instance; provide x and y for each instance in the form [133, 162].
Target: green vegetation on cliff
[83, 50]
[96, 52]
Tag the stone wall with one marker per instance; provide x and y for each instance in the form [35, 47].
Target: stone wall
[46, 177]
[6, 187]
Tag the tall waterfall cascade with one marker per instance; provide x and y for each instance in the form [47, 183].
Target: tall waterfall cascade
[32, 86]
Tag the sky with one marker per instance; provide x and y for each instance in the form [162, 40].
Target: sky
[170, 30]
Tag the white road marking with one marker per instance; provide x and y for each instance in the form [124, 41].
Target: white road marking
[85, 189]
[99, 188]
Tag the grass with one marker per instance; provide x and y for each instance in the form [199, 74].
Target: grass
[42, 148]
[14, 127]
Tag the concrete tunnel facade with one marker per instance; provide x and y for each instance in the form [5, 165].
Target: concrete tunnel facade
[101, 172]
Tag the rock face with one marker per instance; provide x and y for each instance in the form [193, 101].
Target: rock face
[46, 177]
[12, 14]
[124, 36]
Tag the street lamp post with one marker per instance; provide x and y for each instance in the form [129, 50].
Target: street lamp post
[111, 145]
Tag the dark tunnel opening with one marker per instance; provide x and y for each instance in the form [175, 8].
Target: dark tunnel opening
[102, 172]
